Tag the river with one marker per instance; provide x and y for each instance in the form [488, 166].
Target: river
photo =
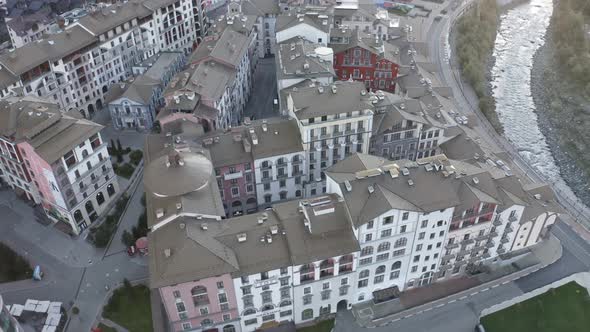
[521, 33]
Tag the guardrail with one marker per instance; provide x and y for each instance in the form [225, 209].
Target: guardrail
[564, 196]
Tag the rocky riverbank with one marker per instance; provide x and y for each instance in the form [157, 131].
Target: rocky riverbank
[563, 117]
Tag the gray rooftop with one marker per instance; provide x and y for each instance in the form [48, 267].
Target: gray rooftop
[51, 48]
[173, 246]
[297, 58]
[313, 102]
[457, 184]
[105, 19]
[230, 48]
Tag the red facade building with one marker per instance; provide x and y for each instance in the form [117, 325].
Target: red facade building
[367, 59]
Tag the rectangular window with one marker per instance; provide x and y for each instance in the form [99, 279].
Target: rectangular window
[368, 237]
[286, 313]
[204, 311]
[366, 261]
[394, 275]
[421, 235]
[387, 220]
[424, 224]
[251, 321]
[220, 285]
[378, 279]
[176, 294]
[382, 257]
[405, 216]
[363, 283]
[222, 297]
[386, 233]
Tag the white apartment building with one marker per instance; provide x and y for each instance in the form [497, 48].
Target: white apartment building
[29, 28]
[313, 26]
[76, 67]
[279, 162]
[418, 222]
[334, 122]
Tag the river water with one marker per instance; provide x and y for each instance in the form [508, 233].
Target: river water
[521, 33]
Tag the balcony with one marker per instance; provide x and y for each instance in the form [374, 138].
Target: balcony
[497, 222]
[493, 234]
[508, 229]
[306, 278]
[490, 244]
[345, 268]
[448, 257]
[452, 245]
[504, 239]
[232, 176]
[501, 250]
[512, 218]
[467, 241]
[297, 161]
[326, 273]
[486, 255]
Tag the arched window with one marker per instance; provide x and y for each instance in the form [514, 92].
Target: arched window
[367, 251]
[281, 161]
[99, 198]
[84, 153]
[384, 246]
[78, 216]
[364, 274]
[307, 272]
[285, 303]
[307, 314]
[229, 328]
[345, 264]
[327, 268]
[249, 311]
[298, 193]
[396, 265]
[111, 190]
[265, 164]
[400, 242]
[89, 207]
[380, 269]
[251, 200]
[268, 307]
[236, 204]
[206, 322]
[200, 296]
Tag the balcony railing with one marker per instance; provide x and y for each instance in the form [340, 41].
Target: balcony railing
[345, 268]
[497, 222]
[504, 239]
[452, 245]
[490, 244]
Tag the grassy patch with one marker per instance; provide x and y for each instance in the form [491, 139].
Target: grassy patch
[13, 267]
[130, 307]
[323, 326]
[566, 308]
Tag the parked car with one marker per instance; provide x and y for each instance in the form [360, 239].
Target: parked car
[131, 251]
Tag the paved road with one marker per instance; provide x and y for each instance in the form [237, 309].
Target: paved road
[264, 91]
[74, 270]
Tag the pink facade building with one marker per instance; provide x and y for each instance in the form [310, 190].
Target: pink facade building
[56, 160]
[231, 155]
[201, 304]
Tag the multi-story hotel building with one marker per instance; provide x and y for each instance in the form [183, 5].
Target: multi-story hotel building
[57, 159]
[75, 67]
[334, 122]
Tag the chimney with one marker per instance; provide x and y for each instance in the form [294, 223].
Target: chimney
[61, 22]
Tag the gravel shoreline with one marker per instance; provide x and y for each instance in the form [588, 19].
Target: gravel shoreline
[544, 80]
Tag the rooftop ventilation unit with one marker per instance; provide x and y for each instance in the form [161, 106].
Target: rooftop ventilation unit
[475, 180]
[204, 226]
[348, 186]
[167, 252]
[371, 189]
[159, 213]
[178, 206]
[274, 229]
[537, 196]
[242, 237]
[410, 182]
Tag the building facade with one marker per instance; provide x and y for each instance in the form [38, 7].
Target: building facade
[64, 159]
[334, 122]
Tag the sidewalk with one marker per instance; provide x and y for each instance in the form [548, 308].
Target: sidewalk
[422, 299]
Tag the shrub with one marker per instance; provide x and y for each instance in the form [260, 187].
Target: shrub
[127, 238]
[119, 147]
[136, 156]
[125, 170]
[75, 310]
